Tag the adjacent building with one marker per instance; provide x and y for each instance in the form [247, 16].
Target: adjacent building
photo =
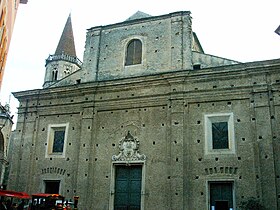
[8, 11]
[6, 123]
[149, 121]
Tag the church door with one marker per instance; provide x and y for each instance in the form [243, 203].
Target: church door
[221, 195]
[52, 186]
[128, 187]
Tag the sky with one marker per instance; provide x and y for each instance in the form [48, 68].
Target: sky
[241, 30]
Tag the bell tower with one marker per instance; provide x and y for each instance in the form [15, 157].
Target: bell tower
[64, 61]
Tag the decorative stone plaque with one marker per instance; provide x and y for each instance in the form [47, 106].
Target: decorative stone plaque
[129, 150]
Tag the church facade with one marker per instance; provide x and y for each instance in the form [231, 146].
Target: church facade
[149, 121]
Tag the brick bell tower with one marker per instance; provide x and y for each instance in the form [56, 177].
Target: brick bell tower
[64, 62]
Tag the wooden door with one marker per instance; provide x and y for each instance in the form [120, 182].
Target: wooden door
[221, 195]
[128, 181]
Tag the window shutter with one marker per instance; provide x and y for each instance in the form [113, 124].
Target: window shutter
[134, 52]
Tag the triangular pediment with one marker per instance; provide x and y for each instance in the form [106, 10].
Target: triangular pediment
[138, 15]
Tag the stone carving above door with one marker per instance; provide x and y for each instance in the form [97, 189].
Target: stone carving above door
[129, 150]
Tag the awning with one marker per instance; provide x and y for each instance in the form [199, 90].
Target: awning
[46, 195]
[14, 194]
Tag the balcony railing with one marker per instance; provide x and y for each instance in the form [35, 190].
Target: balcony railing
[64, 57]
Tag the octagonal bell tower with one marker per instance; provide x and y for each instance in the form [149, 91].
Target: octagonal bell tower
[64, 62]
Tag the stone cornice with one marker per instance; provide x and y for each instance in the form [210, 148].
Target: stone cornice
[223, 72]
[137, 21]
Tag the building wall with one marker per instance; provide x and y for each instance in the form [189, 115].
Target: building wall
[166, 113]
[166, 39]
[168, 107]
[167, 46]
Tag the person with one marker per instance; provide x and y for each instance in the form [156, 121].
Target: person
[59, 206]
[8, 204]
[3, 205]
[68, 207]
[21, 205]
[14, 206]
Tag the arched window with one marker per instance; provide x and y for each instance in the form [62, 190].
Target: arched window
[54, 75]
[133, 52]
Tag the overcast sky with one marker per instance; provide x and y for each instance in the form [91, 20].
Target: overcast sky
[241, 30]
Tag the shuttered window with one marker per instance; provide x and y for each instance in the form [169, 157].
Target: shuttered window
[134, 52]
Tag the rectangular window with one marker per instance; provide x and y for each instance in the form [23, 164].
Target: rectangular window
[58, 141]
[219, 133]
[57, 136]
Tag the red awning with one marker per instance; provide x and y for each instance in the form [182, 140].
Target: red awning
[14, 194]
[46, 195]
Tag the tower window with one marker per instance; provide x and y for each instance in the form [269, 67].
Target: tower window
[134, 52]
[196, 66]
[54, 75]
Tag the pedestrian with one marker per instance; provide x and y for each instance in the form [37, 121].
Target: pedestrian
[8, 204]
[3, 205]
[21, 205]
[14, 206]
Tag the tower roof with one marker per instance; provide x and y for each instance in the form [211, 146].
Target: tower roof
[66, 43]
[138, 15]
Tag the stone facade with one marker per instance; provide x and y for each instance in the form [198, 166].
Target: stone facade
[155, 117]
